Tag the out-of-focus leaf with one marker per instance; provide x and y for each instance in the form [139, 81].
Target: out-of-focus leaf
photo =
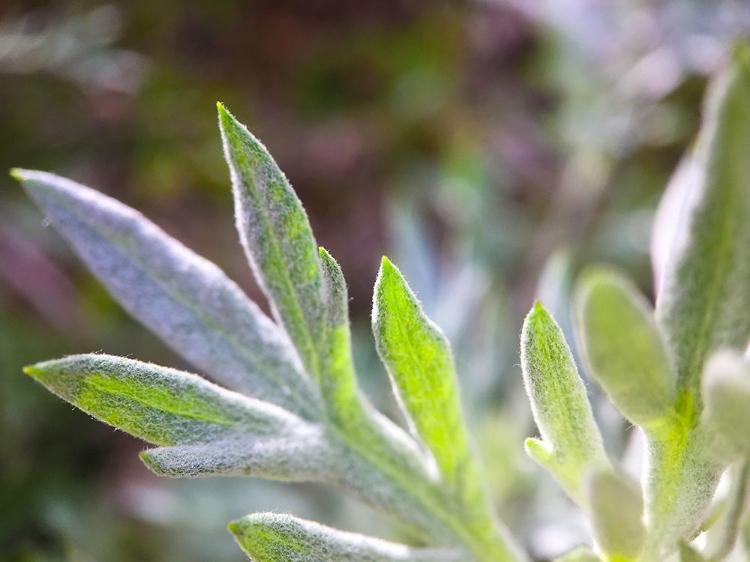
[571, 444]
[418, 359]
[622, 346]
[186, 300]
[277, 239]
[616, 509]
[579, 554]
[706, 291]
[689, 554]
[721, 538]
[726, 395]
[160, 405]
[270, 537]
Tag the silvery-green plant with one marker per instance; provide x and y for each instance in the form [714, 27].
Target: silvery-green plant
[285, 403]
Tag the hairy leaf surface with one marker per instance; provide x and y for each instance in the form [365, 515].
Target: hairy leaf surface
[277, 239]
[186, 300]
[270, 537]
[571, 444]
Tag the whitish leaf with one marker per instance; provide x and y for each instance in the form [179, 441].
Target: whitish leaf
[706, 292]
[270, 537]
[579, 554]
[298, 456]
[622, 346]
[616, 510]
[277, 239]
[418, 359]
[571, 443]
[184, 299]
[726, 394]
[160, 405]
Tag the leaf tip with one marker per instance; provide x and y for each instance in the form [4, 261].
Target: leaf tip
[32, 371]
[17, 174]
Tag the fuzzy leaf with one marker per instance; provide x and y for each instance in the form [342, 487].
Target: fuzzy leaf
[622, 346]
[418, 359]
[277, 239]
[726, 394]
[338, 382]
[187, 301]
[365, 429]
[616, 508]
[706, 292]
[571, 443]
[299, 456]
[270, 537]
[579, 554]
[160, 405]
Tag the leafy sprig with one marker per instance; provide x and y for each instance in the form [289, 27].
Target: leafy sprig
[285, 402]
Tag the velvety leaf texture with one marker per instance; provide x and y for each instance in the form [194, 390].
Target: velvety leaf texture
[702, 308]
[278, 241]
[187, 301]
[622, 346]
[268, 537]
[418, 359]
[160, 405]
[703, 302]
[571, 443]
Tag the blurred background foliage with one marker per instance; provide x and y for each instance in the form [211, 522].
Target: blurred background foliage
[490, 147]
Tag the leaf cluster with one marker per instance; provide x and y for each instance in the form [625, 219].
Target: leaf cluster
[285, 403]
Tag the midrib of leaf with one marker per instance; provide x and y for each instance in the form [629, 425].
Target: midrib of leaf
[120, 245]
[300, 318]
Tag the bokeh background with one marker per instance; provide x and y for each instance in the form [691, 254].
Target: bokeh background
[490, 147]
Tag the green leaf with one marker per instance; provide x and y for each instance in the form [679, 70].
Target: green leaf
[726, 394]
[706, 291]
[270, 537]
[622, 346]
[187, 301]
[160, 405]
[616, 510]
[579, 554]
[277, 239]
[702, 307]
[338, 382]
[364, 428]
[418, 359]
[571, 443]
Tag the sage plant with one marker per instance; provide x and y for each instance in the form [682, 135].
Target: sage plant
[284, 402]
